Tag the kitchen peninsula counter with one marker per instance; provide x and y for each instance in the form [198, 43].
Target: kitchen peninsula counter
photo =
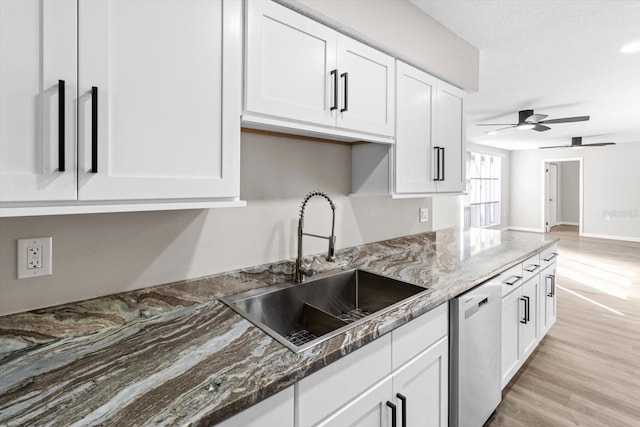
[174, 354]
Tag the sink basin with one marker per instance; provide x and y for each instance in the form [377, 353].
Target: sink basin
[302, 315]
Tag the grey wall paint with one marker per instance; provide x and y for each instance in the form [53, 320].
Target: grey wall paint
[611, 189]
[403, 30]
[569, 187]
[100, 254]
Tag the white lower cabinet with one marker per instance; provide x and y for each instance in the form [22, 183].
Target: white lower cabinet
[412, 387]
[276, 410]
[547, 299]
[421, 387]
[519, 327]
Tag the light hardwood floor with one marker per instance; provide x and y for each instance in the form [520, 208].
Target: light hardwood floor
[586, 371]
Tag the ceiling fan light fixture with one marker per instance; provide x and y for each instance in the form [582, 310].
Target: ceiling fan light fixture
[632, 47]
[525, 126]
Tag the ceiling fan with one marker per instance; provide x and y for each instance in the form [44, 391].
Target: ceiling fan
[576, 142]
[528, 120]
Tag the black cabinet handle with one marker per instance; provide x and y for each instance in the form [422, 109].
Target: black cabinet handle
[94, 129]
[346, 92]
[524, 319]
[437, 149]
[61, 122]
[531, 268]
[442, 177]
[393, 413]
[403, 399]
[553, 255]
[512, 282]
[553, 285]
[527, 311]
[334, 73]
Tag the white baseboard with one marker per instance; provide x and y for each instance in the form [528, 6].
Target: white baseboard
[531, 230]
[612, 237]
[568, 223]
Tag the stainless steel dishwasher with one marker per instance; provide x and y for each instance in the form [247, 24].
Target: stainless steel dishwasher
[475, 351]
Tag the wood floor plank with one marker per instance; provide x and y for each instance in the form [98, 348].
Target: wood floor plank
[586, 372]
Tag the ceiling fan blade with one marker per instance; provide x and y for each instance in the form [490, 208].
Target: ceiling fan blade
[535, 118]
[598, 144]
[540, 128]
[566, 120]
[556, 146]
[496, 124]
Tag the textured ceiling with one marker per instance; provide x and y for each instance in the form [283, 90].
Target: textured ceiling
[558, 57]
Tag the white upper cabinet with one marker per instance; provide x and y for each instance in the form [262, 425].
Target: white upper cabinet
[450, 134]
[158, 70]
[37, 91]
[153, 88]
[428, 154]
[302, 77]
[414, 133]
[366, 82]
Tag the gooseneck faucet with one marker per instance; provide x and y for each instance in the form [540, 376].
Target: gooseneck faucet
[301, 272]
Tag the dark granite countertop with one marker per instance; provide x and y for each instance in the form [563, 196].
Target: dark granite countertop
[175, 355]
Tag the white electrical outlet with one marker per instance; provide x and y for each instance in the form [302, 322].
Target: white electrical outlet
[34, 257]
[424, 214]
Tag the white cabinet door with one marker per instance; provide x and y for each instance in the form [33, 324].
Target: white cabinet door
[289, 64]
[450, 137]
[162, 131]
[414, 131]
[529, 317]
[366, 82]
[512, 313]
[37, 50]
[420, 388]
[370, 409]
[277, 410]
[547, 299]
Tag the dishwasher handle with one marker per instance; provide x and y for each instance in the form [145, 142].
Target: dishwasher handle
[474, 304]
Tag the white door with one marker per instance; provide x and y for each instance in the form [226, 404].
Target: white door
[157, 67]
[37, 62]
[552, 195]
[414, 131]
[450, 135]
[511, 317]
[291, 65]
[366, 82]
[421, 388]
[369, 409]
[528, 333]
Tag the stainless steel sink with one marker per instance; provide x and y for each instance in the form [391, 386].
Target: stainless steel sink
[303, 315]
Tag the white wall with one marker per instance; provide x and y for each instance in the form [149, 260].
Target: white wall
[611, 189]
[401, 29]
[568, 192]
[101, 254]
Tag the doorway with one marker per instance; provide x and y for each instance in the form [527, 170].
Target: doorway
[562, 194]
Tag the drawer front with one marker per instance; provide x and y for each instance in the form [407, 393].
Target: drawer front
[511, 279]
[327, 390]
[549, 256]
[531, 267]
[416, 336]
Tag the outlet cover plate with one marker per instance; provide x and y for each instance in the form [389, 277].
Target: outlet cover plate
[34, 257]
[424, 214]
